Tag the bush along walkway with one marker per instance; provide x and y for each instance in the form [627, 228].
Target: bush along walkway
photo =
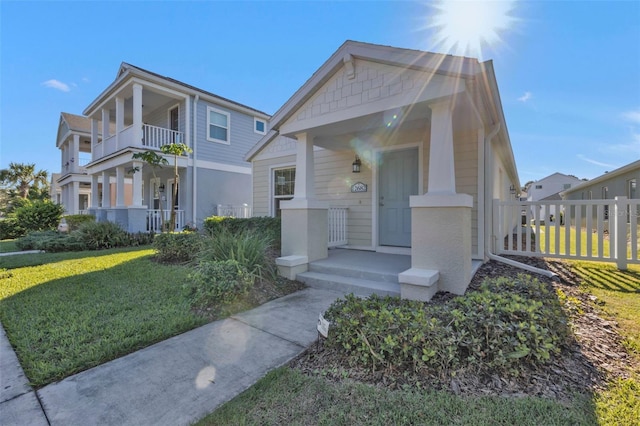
[180, 380]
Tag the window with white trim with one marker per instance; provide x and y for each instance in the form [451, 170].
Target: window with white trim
[218, 125]
[284, 181]
[259, 126]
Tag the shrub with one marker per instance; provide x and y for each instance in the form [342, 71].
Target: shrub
[10, 228]
[51, 241]
[75, 220]
[174, 247]
[38, 215]
[250, 250]
[497, 328]
[215, 282]
[102, 235]
[266, 226]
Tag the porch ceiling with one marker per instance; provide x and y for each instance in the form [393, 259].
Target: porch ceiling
[417, 116]
[152, 99]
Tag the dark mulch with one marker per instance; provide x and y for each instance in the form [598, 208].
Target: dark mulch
[595, 356]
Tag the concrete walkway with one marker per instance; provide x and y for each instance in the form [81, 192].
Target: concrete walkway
[174, 382]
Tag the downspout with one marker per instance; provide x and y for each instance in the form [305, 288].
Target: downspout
[194, 139]
[490, 255]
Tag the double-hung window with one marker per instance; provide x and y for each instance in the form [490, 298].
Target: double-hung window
[218, 125]
[284, 181]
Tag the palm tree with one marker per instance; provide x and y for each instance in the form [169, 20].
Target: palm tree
[23, 177]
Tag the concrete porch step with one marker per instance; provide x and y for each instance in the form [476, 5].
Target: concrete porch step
[348, 284]
[355, 271]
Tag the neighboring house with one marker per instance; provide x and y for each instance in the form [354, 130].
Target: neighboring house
[72, 186]
[548, 189]
[412, 146]
[621, 182]
[141, 111]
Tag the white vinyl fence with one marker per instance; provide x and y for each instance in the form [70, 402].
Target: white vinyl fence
[598, 230]
[337, 226]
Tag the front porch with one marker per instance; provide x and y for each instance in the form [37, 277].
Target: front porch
[361, 272]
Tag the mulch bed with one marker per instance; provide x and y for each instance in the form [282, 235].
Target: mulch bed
[586, 364]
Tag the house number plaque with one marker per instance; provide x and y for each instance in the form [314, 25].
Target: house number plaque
[359, 187]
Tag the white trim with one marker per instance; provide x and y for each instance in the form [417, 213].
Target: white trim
[480, 178]
[171, 108]
[374, 182]
[223, 167]
[228, 128]
[271, 194]
[264, 122]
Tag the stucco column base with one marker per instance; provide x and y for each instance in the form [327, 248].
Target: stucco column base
[441, 238]
[136, 219]
[304, 233]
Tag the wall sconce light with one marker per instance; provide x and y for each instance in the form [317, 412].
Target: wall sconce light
[512, 189]
[161, 187]
[356, 165]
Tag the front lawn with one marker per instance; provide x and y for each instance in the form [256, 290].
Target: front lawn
[321, 392]
[7, 246]
[67, 312]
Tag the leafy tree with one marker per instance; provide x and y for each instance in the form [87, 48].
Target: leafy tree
[22, 178]
[175, 149]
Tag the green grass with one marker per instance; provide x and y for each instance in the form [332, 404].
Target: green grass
[286, 396]
[621, 292]
[548, 241]
[619, 404]
[66, 312]
[7, 246]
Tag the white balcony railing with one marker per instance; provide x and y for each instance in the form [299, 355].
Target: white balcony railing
[243, 211]
[337, 226]
[155, 137]
[154, 221]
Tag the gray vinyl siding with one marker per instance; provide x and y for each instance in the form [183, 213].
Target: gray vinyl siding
[218, 187]
[617, 187]
[241, 137]
[160, 116]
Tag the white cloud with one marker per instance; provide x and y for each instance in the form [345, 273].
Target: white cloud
[597, 163]
[525, 97]
[632, 116]
[56, 84]
[85, 80]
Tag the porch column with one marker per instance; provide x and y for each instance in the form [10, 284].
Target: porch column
[137, 184]
[105, 124]
[75, 194]
[304, 218]
[106, 191]
[119, 119]
[120, 186]
[95, 201]
[94, 140]
[440, 221]
[137, 115]
[75, 154]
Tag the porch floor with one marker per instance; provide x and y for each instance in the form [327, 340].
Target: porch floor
[361, 272]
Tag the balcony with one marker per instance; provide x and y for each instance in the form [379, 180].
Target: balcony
[153, 137]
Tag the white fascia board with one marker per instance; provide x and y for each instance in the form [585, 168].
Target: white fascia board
[212, 165]
[103, 97]
[504, 149]
[263, 142]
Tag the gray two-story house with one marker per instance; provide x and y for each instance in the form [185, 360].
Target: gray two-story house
[142, 111]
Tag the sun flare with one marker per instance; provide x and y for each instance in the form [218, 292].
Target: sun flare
[466, 27]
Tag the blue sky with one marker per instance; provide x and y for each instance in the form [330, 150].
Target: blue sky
[568, 72]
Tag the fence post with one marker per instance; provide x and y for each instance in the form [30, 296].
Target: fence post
[620, 229]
